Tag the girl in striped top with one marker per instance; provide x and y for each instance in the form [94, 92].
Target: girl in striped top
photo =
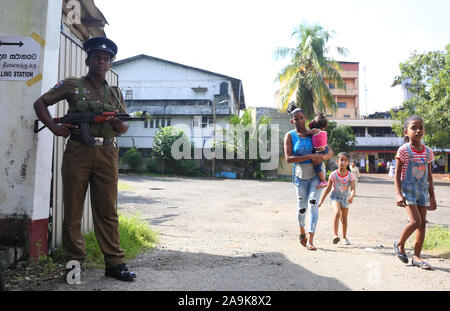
[413, 183]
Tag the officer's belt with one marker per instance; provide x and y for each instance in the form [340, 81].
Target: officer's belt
[98, 140]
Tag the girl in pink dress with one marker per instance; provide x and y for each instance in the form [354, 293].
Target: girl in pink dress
[342, 184]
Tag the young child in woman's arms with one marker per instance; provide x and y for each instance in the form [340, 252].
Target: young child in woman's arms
[317, 129]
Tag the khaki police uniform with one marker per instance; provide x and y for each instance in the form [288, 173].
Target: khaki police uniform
[95, 165]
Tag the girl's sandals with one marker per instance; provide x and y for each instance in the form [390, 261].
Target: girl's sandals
[402, 256]
[303, 239]
[310, 247]
[421, 264]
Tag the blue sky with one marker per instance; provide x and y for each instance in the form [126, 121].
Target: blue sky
[238, 37]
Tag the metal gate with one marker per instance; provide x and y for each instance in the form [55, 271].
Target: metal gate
[71, 63]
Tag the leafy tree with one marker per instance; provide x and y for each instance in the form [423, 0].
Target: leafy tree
[245, 141]
[428, 77]
[162, 145]
[133, 158]
[309, 65]
[340, 138]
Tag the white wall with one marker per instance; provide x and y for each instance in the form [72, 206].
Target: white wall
[143, 137]
[25, 162]
[155, 79]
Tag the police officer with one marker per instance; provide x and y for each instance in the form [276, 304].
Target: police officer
[95, 165]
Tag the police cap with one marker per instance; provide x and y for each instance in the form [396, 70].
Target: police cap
[102, 44]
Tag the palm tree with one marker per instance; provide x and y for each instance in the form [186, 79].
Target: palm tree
[304, 75]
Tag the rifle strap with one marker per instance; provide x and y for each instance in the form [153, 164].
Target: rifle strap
[80, 88]
[117, 98]
[106, 93]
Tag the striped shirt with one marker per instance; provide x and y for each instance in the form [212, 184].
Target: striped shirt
[418, 156]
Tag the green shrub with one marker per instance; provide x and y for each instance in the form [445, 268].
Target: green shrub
[150, 165]
[188, 167]
[133, 158]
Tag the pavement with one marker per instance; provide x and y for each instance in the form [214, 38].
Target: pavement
[242, 235]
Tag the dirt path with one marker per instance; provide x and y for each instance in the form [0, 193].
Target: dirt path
[242, 235]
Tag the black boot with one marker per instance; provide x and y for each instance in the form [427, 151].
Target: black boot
[120, 272]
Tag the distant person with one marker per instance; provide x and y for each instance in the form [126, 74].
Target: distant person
[343, 190]
[414, 189]
[391, 170]
[298, 149]
[319, 140]
[355, 170]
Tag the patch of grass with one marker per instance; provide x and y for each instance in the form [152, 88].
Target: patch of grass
[135, 238]
[437, 241]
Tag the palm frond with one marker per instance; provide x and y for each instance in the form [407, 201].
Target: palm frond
[308, 68]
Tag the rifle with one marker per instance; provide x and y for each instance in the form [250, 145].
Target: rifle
[83, 119]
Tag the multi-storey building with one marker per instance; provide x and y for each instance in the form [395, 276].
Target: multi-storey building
[347, 100]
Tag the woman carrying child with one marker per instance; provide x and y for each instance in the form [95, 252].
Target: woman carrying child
[298, 150]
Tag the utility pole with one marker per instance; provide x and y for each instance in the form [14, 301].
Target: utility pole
[214, 134]
[214, 139]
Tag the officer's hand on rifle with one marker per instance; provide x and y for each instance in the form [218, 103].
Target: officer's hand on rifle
[120, 126]
[40, 106]
[62, 129]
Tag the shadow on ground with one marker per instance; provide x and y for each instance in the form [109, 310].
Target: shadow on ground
[169, 270]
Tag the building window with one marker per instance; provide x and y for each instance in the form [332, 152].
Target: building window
[331, 85]
[375, 131]
[207, 121]
[342, 105]
[196, 121]
[387, 132]
[359, 131]
[381, 132]
[129, 94]
[347, 116]
[155, 123]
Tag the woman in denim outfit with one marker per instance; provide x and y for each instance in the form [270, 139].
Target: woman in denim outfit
[298, 150]
[414, 188]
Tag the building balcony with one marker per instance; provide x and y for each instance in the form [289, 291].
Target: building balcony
[342, 92]
[362, 142]
[349, 74]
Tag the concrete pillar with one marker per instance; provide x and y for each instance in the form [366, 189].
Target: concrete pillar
[26, 157]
